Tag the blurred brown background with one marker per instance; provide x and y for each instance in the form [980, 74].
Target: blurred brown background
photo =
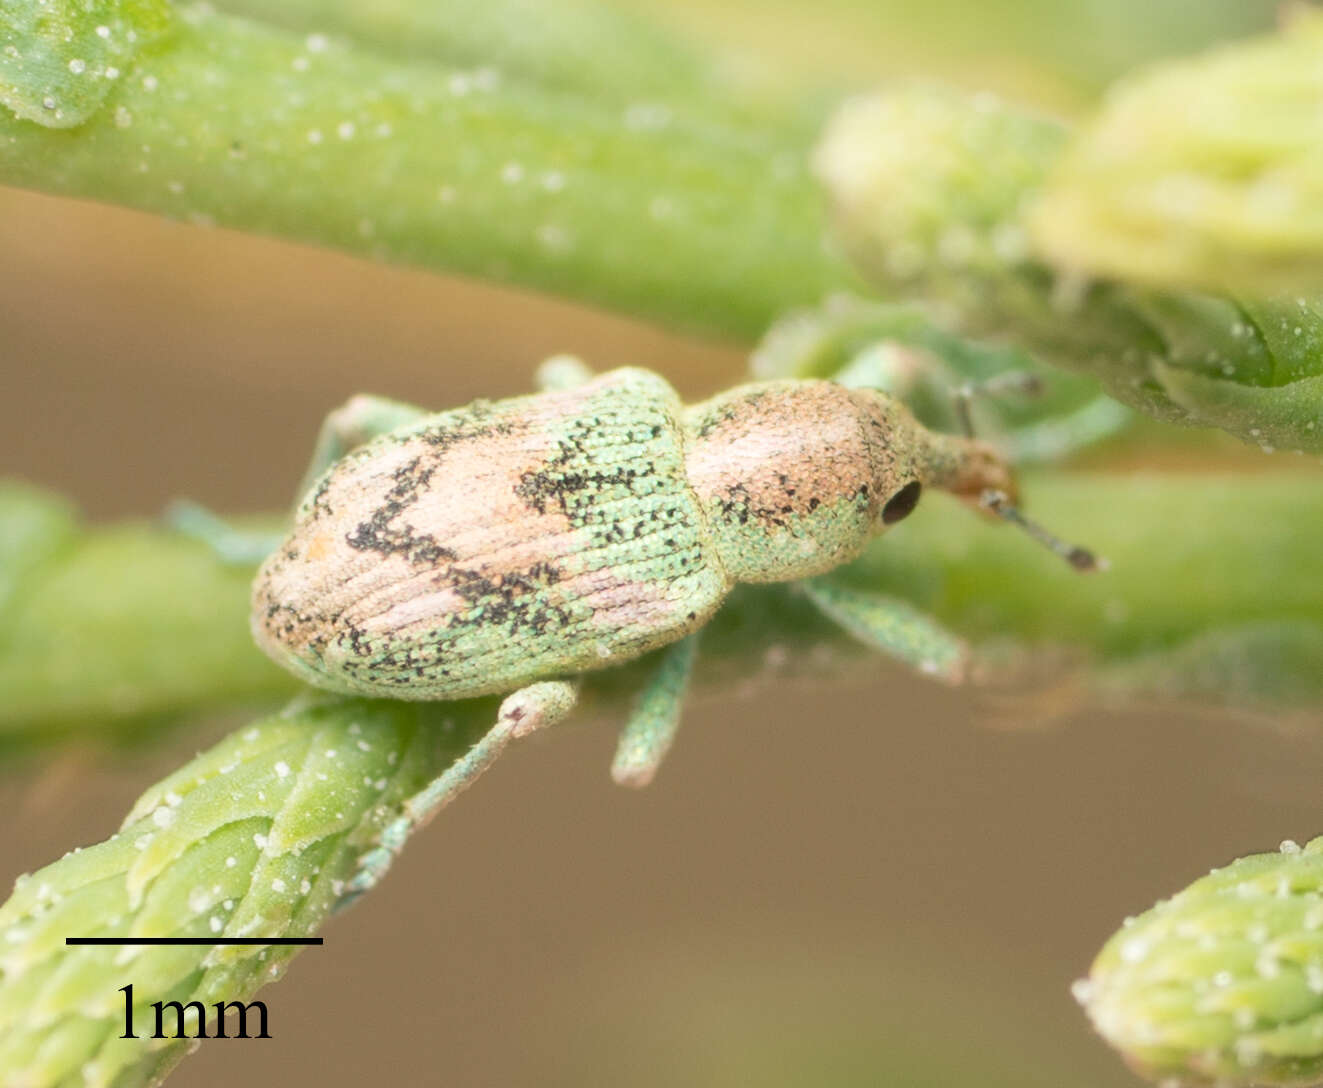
[866, 885]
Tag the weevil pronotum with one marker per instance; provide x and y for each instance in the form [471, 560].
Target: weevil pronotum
[509, 546]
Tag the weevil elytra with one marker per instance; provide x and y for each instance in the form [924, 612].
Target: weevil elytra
[509, 546]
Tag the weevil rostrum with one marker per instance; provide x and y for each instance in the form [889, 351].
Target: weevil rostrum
[507, 547]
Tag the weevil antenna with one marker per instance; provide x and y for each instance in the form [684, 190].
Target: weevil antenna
[1012, 381]
[1080, 558]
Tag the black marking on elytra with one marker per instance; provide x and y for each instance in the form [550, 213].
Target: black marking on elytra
[515, 600]
[380, 533]
[607, 475]
[320, 506]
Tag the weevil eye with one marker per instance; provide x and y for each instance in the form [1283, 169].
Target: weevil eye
[902, 503]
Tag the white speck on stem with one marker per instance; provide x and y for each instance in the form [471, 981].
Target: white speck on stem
[149, 83]
[512, 173]
[660, 208]
[555, 239]
[103, 32]
[345, 130]
[314, 136]
[77, 67]
[316, 43]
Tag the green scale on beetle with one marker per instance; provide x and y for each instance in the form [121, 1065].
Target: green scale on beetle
[509, 546]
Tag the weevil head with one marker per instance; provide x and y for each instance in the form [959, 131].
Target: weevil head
[907, 459]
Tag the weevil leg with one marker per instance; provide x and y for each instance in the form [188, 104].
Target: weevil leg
[360, 419]
[562, 372]
[892, 626]
[525, 711]
[239, 547]
[652, 723]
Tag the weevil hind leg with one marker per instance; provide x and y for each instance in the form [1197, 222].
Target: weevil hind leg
[360, 419]
[231, 545]
[560, 372]
[525, 711]
[891, 626]
[655, 717]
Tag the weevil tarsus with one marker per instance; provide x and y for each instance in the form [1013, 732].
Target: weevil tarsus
[650, 730]
[522, 713]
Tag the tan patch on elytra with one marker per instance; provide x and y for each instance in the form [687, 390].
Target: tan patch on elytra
[319, 547]
[470, 506]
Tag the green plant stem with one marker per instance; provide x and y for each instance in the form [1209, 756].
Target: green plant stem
[132, 624]
[646, 208]
[582, 46]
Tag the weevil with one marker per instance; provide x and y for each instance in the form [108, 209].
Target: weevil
[508, 547]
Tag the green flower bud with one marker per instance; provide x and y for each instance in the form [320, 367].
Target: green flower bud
[1223, 983]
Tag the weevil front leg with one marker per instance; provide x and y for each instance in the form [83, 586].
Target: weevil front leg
[525, 711]
[652, 723]
[892, 626]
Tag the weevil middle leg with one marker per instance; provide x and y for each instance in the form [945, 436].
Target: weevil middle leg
[525, 711]
[650, 730]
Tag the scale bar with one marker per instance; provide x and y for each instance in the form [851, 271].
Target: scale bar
[193, 940]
